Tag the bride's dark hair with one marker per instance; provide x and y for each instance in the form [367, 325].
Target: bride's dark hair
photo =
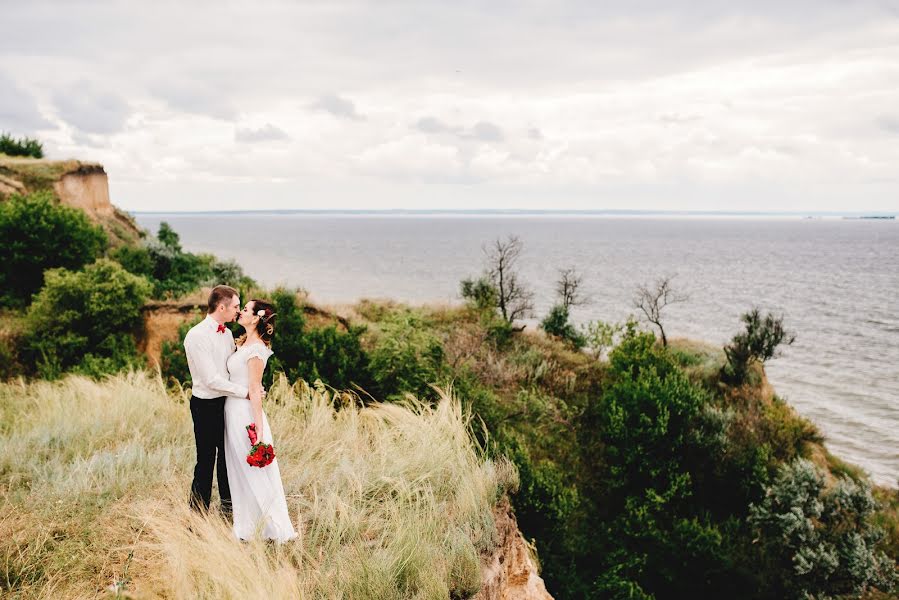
[265, 326]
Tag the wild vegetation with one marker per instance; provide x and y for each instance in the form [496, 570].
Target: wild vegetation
[648, 468]
[24, 146]
[390, 500]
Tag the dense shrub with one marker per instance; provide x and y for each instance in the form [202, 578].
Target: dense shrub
[480, 293]
[84, 320]
[407, 357]
[556, 323]
[175, 272]
[640, 440]
[36, 234]
[818, 541]
[25, 146]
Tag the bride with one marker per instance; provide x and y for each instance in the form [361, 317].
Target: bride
[257, 494]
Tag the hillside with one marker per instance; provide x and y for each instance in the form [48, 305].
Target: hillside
[390, 501]
[82, 185]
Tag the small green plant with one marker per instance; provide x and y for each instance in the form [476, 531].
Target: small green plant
[24, 146]
[600, 336]
[480, 293]
[556, 323]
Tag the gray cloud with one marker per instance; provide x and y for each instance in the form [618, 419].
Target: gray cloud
[482, 130]
[18, 110]
[337, 106]
[434, 125]
[200, 96]
[267, 133]
[535, 134]
[91, 110]
[487, 132]
[889, 124]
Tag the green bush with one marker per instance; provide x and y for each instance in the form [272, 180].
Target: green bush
[25, 146]
[758, 343]
[84, 320]
[175, 272]
[36, 234]
[640, 441]
[480, 293]
[407, 357]
[556, 324]
[817, 541]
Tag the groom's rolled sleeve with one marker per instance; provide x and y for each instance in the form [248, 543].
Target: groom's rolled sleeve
[208, 375]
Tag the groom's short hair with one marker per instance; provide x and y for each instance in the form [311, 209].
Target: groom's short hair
[219, 294]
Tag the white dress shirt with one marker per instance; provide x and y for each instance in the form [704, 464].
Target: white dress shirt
[207, 353]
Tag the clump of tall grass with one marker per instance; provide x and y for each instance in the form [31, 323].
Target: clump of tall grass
[390, 500]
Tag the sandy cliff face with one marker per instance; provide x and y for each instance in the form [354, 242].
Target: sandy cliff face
[86, 188]
[510, 573]
[75, 183]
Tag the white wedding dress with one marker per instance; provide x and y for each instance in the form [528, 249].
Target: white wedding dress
[257, 494]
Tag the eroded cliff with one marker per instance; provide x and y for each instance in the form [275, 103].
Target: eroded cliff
[82, 185]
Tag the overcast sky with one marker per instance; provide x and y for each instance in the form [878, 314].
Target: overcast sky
[700, 105]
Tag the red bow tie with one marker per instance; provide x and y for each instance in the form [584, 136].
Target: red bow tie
[221, 328]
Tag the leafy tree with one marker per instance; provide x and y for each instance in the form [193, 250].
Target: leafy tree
[759, 342]
[36, 234]
[818, 541]
[25, 146]
[85, 320]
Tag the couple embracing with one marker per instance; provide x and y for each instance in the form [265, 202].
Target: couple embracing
[226, 398]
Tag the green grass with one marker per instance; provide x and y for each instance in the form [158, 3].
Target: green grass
[390, 501]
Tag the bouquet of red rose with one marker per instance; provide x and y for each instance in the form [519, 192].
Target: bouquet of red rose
[261, 455]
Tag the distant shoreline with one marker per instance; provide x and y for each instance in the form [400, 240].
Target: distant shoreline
[860, 215]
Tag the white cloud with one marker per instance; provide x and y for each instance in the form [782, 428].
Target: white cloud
[590, 105]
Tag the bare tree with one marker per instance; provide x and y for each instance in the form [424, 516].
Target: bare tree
[652, 301]
[568, 288]
[514, 300]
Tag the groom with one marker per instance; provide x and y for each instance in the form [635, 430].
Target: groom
[208, 345]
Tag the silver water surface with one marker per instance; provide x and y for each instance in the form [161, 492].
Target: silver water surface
[836, 282]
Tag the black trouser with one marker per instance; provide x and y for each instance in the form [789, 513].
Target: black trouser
[209, 433]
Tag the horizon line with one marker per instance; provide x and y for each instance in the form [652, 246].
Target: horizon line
[873, 214]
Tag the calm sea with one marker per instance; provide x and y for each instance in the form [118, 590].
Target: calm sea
[836, 281]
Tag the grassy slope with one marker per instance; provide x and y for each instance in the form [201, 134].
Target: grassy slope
[538, 382]
[390, 501]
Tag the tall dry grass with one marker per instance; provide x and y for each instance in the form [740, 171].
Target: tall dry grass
[390, 501]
